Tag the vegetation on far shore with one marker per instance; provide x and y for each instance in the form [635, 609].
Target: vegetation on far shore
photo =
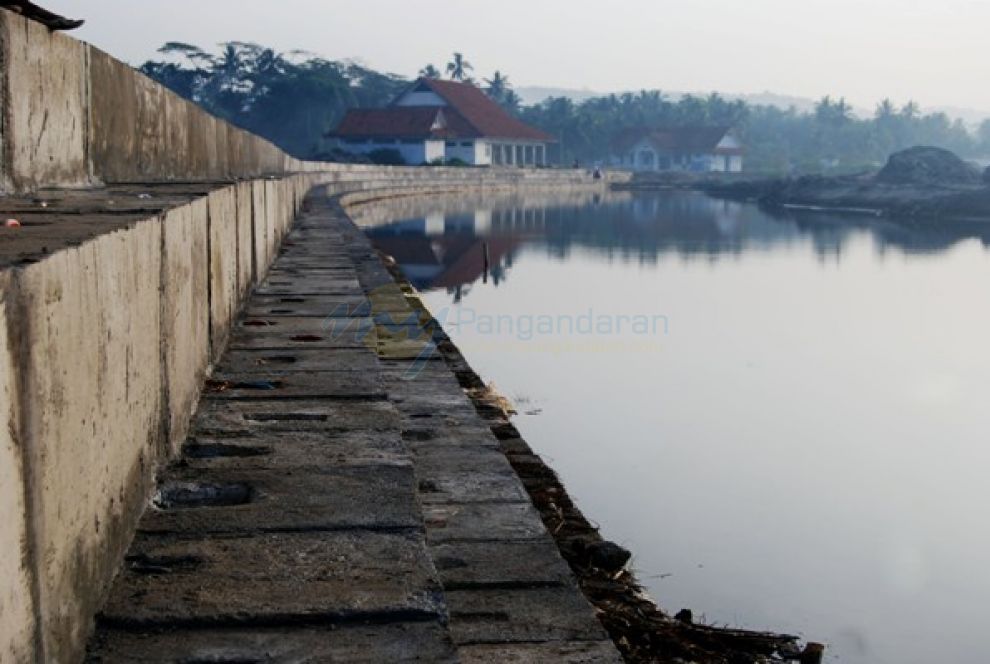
[294, 98]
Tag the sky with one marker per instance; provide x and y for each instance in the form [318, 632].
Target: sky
[932, 51]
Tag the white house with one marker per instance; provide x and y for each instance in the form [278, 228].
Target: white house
[436, 121]
[695, 149]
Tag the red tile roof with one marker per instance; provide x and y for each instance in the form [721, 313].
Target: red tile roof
[470, 114]
[488, 118]
[390, 122]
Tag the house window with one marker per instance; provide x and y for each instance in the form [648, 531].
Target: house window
[409, 141]
[451, 144]
[466, 144]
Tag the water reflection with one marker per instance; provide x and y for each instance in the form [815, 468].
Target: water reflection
[803, 449]
[450, 242]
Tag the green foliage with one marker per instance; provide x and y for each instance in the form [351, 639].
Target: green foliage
[777, 140]
[458, 68]
[293, 99]
[429, 71]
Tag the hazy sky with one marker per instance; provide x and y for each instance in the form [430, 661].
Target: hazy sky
[934, 51]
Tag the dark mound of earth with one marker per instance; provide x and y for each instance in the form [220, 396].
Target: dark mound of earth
[927, 166]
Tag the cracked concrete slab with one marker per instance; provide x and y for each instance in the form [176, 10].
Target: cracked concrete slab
[235, 384]
[482, 522]
[528, 615]
[561, 652]
[480, 565]
[310, 286]
[262, 361]
[303, 415]
[469, 487]
[319, 306]
[399, 642]
[284, 499]
[305, 578]
[294, 449]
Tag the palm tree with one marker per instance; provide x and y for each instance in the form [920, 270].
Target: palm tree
[429, 71]
[885, 110]
[458, 68]
[497, 86]
[911, 110]
[834, 113]
[511, 101]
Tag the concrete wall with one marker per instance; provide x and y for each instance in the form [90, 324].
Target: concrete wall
[103, 350]
[17, 620]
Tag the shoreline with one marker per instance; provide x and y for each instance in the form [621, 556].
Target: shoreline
[861, 195]
[640, 629]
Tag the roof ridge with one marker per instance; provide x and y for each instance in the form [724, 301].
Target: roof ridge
[430, 83]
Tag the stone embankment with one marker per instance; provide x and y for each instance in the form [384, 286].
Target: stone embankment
[339, 495]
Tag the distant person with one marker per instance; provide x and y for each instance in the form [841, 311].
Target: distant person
[32, 11]
[577, 164]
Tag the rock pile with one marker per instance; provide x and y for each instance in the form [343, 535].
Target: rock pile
[927, 166]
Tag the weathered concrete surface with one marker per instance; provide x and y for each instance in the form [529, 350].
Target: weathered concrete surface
[91, 417]
[185, 269]
[45, 105]
[588, 652]
[17, 618]
[225, 294]
[302, 501]
[510, 595]
[273, 579]
[373, 497]
[400, 642]
[107, 312]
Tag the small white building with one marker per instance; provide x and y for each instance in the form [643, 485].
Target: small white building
[694, 149]
[436, 121]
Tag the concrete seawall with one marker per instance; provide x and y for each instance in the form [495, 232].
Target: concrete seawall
[145, 224]
[106, 340]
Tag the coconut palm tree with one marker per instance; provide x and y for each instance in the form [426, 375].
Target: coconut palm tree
[497, 86]
[911, 110]
[429, 71]
[458, 68]
[885, 110]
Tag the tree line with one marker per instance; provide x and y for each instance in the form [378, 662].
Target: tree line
[295, 98]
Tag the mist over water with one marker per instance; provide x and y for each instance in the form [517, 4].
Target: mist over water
[799, 447]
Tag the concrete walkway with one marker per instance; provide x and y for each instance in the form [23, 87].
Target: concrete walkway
[339, 498]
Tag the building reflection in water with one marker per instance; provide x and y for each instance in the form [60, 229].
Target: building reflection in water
[453, 241]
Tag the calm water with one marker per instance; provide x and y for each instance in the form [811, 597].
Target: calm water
[800, 444]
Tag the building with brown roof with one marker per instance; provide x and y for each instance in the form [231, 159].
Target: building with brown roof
[695, 149]
[436, 121]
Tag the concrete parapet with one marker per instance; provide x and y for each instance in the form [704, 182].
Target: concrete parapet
[17, 611]
[86, 336]
[104, 345]
[45, 106]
